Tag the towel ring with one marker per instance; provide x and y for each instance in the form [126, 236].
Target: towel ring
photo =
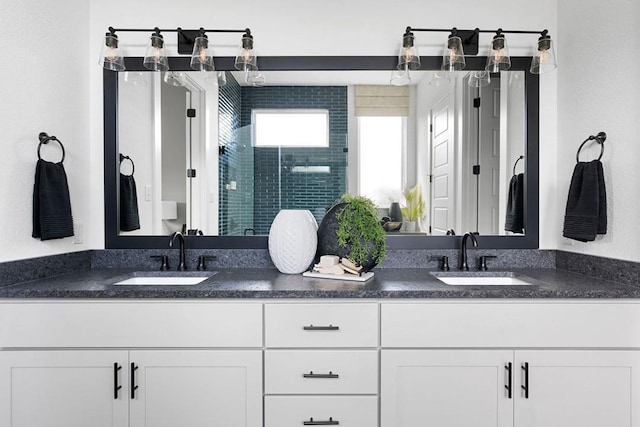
[44, 139]
[133, 166]
[516, 164]
[599, 138]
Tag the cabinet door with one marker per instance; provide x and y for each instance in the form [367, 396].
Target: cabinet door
[453, 388]
[63, 389]
[197, 388]
[578, 388]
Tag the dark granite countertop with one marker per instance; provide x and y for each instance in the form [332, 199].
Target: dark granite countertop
[269, 283]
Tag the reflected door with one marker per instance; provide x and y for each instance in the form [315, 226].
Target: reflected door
[442, 165]
[489, 159]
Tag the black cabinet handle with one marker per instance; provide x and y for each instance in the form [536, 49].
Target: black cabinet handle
[525, 386]
[116, 387]
[134, 387]
[329, 375]
[330, 422]
[321, 328]
[508, 367]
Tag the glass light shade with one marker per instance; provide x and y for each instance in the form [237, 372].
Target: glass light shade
[408, 58]
[516, 79]
[110, 55]
[498, 59]
[135, 78]
[479, 79]
[218, 78]
[545, 59]
[254, 78]
[453, 58]
[201, 59]
[400, 77]
[246, 59]
[440, 78]
[174, 78]
[155, 58]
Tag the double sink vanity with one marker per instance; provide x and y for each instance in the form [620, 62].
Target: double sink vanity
[253, 347]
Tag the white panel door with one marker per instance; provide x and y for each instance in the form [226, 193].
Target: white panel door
[489, 190]
[578, 388]
[452, 388]
[442, 165]
[63, 389]
[197, 388]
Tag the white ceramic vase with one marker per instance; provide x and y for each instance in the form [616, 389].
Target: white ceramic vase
[293, 240]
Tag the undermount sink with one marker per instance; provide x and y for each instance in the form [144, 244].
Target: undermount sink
[480, 278]
[165, 278]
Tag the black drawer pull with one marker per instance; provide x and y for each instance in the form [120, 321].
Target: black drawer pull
[312, 375]
[508, 367]
[321, 328]
[134, 387]
[116, 387]
[331, 422]
[525, 386]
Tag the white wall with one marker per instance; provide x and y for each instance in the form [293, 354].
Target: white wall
[43, 87]
[599, 90]
[332, 27]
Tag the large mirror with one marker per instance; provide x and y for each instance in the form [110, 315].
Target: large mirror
[214, 156]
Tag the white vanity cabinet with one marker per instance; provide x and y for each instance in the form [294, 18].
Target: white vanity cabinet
[321, 364]
[176, 364]
[63, 388]
[438, 365]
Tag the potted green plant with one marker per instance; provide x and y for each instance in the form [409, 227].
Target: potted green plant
[414, 210]
[351, 229]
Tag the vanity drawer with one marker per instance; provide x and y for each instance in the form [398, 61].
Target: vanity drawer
[130, 324]
[321, 325]
[321, 372]
[293, 411]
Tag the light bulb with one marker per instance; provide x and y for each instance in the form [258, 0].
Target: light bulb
[409, 54]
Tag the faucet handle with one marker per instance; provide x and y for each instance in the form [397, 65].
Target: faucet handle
[202, 265]
[483, 262]
[164, 259]
[444, 262]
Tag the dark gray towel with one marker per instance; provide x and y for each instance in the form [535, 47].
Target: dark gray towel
[586, 213]
[514, 221]
[51, 202]
[129, 218]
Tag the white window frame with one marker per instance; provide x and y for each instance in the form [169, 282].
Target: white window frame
[292, 111]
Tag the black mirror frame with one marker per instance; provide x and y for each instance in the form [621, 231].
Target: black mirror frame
[113, 239]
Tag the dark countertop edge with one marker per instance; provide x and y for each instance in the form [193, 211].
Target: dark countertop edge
[89, 284]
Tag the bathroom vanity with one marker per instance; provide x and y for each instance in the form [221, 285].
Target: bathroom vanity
[257, 348]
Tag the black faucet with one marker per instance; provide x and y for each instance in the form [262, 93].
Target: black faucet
[463, 265]
[181, 266]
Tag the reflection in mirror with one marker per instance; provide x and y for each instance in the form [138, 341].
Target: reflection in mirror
[208, 160]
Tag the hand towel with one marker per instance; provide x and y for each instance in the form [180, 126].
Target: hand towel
[52, 217]
[514, 221]
[586, 212]
[129, 218]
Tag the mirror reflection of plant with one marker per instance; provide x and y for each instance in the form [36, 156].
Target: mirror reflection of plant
[358, 226]
[416, 205]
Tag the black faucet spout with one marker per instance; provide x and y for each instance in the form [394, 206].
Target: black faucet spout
[181, 265]
[463, 264]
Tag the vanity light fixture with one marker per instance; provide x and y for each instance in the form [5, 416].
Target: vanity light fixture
[461, 43]
[408, 58]
[453, 58]
[246, 59]
[190, 42]
[201, 59]
[545, 59]
[479, 78]
[498, 59]
[111, 55]
[155, 58]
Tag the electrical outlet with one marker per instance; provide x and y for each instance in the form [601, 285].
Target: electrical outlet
[78, 233]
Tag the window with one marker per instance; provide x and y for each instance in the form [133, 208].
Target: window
[381, 143]
[291, 128]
